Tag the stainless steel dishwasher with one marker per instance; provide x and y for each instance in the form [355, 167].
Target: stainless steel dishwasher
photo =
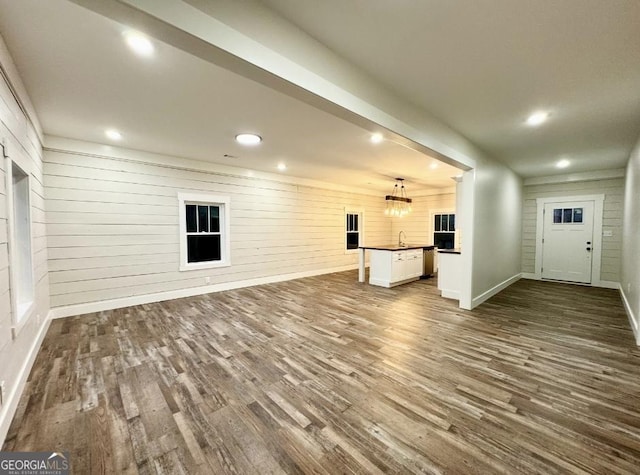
[427, 262]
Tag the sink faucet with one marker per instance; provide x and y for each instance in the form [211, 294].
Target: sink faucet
[400, 241]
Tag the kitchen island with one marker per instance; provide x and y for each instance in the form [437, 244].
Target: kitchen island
[391, 265]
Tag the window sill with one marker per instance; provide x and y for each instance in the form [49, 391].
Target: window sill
[204, 265]
[24, 313]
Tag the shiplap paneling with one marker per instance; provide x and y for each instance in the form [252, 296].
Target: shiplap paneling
[112, 226]
[24, 146]
[417, 225]
[613, 190]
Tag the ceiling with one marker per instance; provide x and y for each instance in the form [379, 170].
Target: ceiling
[480, 66]
[83, 79]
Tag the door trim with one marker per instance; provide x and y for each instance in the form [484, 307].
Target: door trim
[598, 210]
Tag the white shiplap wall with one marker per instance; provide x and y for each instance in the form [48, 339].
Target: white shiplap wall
[21, 134]
[417, 225]
[613, 189]
[112, 223]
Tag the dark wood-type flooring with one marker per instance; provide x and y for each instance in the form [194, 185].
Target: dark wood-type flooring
[326, 375]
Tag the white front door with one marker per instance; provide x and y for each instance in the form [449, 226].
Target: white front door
[567, 244]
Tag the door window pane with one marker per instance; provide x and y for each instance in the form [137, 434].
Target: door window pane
[577, 215]
[192, 221]
[203, 248]
[557, 216]
[567, 215]
[203, 219]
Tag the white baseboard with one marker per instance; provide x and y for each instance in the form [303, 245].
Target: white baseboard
[379, 282]
[494, 290]
[13, 398]
[91, 307]
[388, 284]
[450, 294]
[633, 319]
[607, 284]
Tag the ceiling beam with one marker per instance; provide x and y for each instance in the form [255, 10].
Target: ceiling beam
[307, 71]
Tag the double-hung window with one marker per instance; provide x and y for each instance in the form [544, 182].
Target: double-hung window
[444, 230]
[204, 231]
[353, 228]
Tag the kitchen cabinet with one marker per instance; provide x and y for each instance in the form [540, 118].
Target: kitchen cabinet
[393, 267]
[450, 273]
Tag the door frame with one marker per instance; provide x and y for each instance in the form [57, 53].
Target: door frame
[598, 211]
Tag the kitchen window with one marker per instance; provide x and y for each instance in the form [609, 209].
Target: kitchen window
[444, 230]
[204, 231]
[353, 227]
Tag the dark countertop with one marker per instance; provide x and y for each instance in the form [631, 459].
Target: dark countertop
[395, 247]
[450, 251]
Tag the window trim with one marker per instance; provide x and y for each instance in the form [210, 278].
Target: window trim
[224, 202]
[360, 213]
[448, 217]
[432, 226]
[18, 320]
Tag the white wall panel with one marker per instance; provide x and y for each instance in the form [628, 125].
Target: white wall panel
[497, 198]
[61, 206]
[417, 225]
[22, 137]
[69, 253]
[110, 261]
[630, 245]
[112, 226]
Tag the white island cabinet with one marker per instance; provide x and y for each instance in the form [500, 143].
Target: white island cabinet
[393, 265]
[450, 273]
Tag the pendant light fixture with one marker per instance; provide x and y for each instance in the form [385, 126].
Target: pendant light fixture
[398, 204]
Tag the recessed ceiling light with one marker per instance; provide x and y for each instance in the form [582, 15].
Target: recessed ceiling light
[113, 134]
[564, 163]
[433, 165]
[282, 167]
[248, 139]
[139, 43]
[377, 138]
[537, 118]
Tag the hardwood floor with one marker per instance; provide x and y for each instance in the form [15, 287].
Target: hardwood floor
[325, 375]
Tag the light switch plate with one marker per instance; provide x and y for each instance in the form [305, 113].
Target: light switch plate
[607, 233]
